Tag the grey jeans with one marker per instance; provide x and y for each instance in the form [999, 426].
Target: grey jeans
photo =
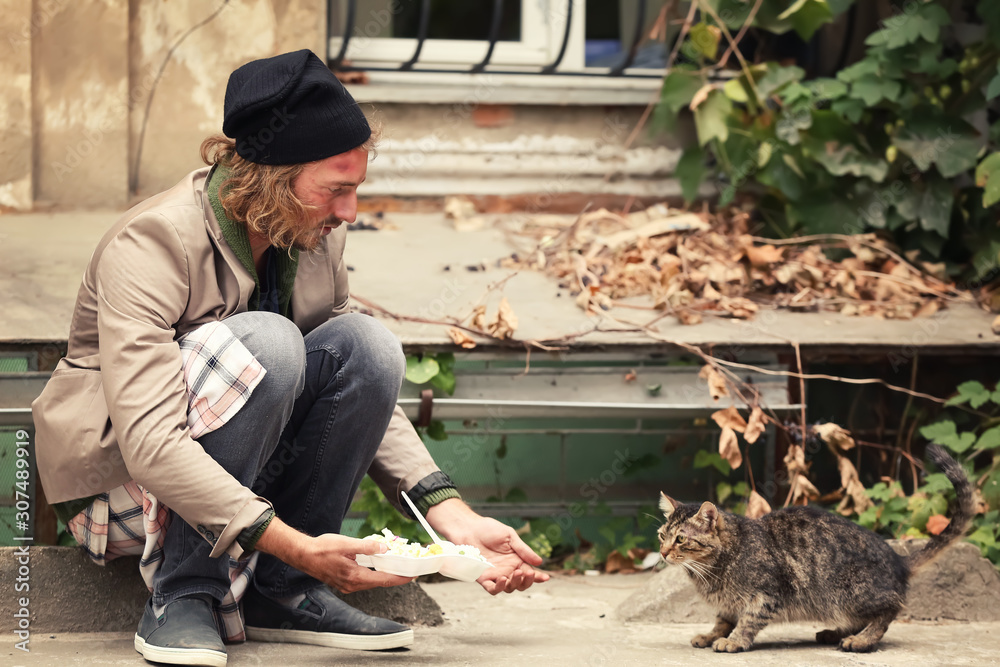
[304, 441]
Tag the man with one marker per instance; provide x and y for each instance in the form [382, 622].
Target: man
[218, 399]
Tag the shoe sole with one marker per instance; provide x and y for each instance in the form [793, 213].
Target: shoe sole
[332, 639]
[179, 656]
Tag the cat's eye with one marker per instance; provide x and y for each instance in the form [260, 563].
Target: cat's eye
[681, 539]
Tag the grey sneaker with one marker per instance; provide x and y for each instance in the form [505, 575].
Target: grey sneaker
[322, 619]
[184, 634]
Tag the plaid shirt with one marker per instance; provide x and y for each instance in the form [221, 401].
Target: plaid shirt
[220, 375]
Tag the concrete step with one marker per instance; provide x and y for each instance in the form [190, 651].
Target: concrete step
[64, 591]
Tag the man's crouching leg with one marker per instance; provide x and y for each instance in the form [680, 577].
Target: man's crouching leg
[178, 626]
[354, 369]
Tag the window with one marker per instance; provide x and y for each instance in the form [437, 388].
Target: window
[593, 45]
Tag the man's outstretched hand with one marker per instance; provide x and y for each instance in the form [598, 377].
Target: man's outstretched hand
[513, 561]
[329, 557]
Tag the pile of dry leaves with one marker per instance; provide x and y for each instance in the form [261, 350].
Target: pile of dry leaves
[695, 264]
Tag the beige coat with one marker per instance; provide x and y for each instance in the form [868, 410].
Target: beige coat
[115, 408]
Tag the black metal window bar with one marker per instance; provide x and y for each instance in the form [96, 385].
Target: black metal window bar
[338, 63]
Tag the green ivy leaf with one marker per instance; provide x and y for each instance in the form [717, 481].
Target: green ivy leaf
[435, 430]
[710, 117]
[777, 77]
[936, 483]
[871, 89]
[736, 91]
[790, 123]
[850, 108]
[445, 381]
[808, 16]
[822, 214]
[703, 459]
[971, 392]
[705, 39]
[859, 69]
[944, 433]
[723, 491]
[690, 171]
[908, 28]
[679, 88]
[827, 89]
[990, 439]
[988, 178]
[950, 143]
[419, 371]
[983, 536]
[840, 160]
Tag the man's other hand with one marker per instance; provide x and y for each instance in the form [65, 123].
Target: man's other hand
[513, 561]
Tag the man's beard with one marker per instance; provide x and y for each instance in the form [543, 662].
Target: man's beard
[310, 239]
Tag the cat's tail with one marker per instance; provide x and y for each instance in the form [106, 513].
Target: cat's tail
[961, 513]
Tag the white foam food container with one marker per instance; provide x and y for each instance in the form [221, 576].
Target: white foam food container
[455, 566]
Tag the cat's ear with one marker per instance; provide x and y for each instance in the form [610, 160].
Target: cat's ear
[667, 504]
[708, 514]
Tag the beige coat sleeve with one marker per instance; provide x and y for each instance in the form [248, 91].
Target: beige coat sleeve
[402, 459]
[142, 289]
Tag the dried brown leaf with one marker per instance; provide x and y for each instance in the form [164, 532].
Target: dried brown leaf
[689, 317]
[504, 323]
[755, 425]
[937, 523]
[757, 506]
[835, 436]
[765, 255]
[730, 418]
[716, 383]
[479, 318]
[928, 309]
[461, 338]
[729, 447]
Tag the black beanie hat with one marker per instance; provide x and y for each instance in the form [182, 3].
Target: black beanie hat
[291, 109]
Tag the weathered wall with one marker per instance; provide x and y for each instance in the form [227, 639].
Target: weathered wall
[15, 105]
[80, 82]
[187, 100]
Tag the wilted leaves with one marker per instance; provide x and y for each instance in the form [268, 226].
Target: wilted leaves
[716, 382]
[729, 448]
[461, 338]
[693, 264]
[504, 323]
[755, 426]
[757, 506]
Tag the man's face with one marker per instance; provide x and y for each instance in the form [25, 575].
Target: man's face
[331, 185]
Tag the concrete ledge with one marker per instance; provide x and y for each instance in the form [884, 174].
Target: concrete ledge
[961, 585]
[66, 592]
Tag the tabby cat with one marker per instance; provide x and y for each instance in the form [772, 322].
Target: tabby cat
[799, 564]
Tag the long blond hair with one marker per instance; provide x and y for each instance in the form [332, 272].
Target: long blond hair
[262, 196]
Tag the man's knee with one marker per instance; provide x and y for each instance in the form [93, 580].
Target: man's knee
[368, 343]
[277, 345]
